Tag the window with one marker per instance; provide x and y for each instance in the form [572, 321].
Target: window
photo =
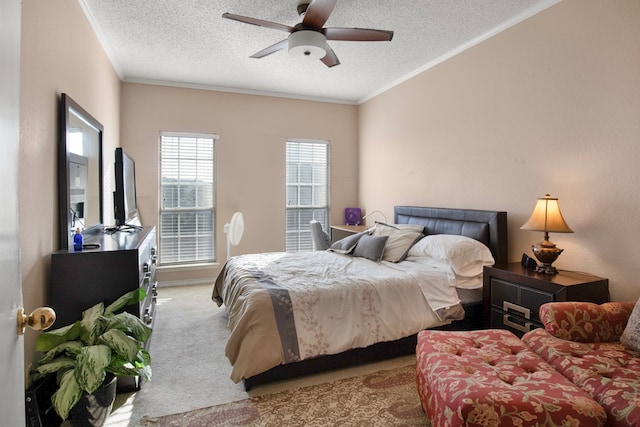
[307, 191]
[187, 205]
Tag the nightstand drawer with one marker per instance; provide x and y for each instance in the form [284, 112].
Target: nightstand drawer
[516, 324]
[517, 299]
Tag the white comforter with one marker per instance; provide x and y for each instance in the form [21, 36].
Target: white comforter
[286, 307]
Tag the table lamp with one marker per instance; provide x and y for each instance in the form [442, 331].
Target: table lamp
[371, 213]
[546, 217]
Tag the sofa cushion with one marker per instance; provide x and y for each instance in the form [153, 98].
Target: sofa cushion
[491, 378]
[631, 335]
[609, 372]
[586, 321]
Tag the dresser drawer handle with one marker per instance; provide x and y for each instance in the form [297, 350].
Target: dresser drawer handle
[147, 318]
[525, 312]
[522, 328]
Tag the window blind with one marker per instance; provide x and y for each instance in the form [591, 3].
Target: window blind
[187, 207]
[307, 191]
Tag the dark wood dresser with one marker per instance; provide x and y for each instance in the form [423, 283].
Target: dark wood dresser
[125, 260]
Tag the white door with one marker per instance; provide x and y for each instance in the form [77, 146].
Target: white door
[11, 344]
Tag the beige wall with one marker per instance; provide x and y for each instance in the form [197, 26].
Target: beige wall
[60, 53]
[551, 105]
[250, 156]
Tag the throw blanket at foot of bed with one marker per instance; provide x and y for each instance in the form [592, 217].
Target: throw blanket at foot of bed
[491, 378]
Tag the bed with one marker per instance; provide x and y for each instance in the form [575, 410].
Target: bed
[290, 316]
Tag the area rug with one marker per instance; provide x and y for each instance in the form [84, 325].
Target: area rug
[384, 398]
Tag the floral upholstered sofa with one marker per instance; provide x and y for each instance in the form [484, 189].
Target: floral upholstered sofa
[583, 369]
[597, 348]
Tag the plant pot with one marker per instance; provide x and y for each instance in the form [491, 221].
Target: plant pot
[93, 409]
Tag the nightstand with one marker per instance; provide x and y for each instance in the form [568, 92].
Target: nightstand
[513, 294]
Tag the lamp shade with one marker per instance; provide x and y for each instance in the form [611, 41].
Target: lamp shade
[547, 217]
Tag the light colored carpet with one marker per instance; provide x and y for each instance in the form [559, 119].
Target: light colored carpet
[383, 398]
[190, 370]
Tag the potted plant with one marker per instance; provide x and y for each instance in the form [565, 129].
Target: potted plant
[101, 346]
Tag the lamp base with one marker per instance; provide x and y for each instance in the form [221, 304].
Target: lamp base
[546, 252]
[546, 269]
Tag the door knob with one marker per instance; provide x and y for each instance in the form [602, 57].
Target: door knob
[40, 319]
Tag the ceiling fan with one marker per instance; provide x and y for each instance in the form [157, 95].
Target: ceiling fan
[309, 37]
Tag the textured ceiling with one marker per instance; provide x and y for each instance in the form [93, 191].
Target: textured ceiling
[188, 43]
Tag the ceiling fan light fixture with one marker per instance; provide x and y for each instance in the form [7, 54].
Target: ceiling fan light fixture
[307, 44]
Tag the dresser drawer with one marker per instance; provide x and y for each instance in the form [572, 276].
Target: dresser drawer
[513, 298]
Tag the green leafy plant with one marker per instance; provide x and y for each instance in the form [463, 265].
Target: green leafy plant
[81, 354]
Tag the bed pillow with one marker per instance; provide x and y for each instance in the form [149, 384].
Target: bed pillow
[346, 245]
[466, 256]
[631, 335]
[370, 247]
[382, 227]
[399, 242]
[414, 227]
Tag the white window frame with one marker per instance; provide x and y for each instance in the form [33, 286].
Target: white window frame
[197, 244]
[298, 215]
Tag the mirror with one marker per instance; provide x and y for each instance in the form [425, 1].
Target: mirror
[79, 172]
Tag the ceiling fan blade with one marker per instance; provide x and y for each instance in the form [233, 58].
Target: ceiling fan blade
[357, 34]
[318, 12]
[258, 22]
[330, 59]
[271, 49]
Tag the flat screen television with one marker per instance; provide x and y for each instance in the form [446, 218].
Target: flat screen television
[124, 198]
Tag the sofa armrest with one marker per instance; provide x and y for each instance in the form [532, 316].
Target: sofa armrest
[585, 321]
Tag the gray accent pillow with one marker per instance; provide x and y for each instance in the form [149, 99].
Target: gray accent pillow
[370, 247]
[631, 335]
[346, 245]
[399, 243]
